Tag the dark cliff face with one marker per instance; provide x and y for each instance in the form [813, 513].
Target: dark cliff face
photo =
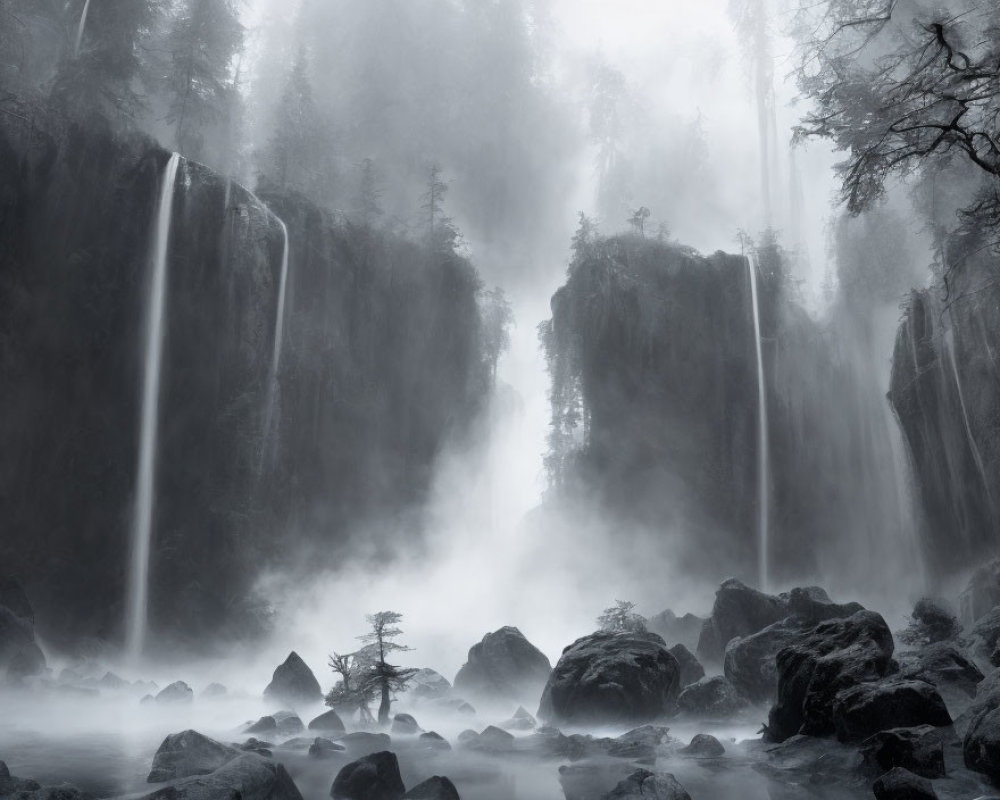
[382, 362]
[946, 393]
[655, 345]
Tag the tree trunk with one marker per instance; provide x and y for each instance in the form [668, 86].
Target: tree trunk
[383, 707]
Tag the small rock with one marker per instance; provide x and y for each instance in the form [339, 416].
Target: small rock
[373, 777]
[324, 748]
[405, 724]
[901, 784]
[704, 745]
[329, 721]
[495, 740]
[265, 724]
[176, 692]
[434, 741]
[435, 788]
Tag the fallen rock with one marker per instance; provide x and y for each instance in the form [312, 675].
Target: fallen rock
[901, 784]
[646, 785]
[405, 724]
[704, 745]
[188, 753]
[691, 669]
[920, 750]
[521, 721]
[711, 698]
[373, 777]
[329, 721]
[324, 748]
[504, 666]
[426, 684]
[835, 655]
[176, 692]
[866, 709]
[249, 777]
[435, 788]
[294, 684]
[611, 678]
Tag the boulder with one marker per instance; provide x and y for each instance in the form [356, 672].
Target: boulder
[214, 691]
[426, 684]
[833, 656]
[521, 721]
[866, 709]
[294, 684]
[946, 667]
[920, 750]
[188, 753]
[435, 788]
[10, 785]
[363, 743]
[329, 721]
[112, 682]
[373, 777]
[691, 669]
[981, 745]
[611, 678]
[504, 666]
[249, 777]
[324, 748]
[455, 705]
[704, 745]
[711, 698]
[494, 740]
[405, 724]
[288, 723]
[176, 692]
[257, 746]
[467, 737]
[684, 630]
[901, 784]
[750, 663]
[434, 741]
[266, 724]
[645, 785]
[639, 743]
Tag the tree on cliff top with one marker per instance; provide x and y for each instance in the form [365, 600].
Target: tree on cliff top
[904, 86]
[621, 618]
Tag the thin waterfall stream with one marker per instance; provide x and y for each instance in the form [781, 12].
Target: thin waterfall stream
[763, 457]
[81, 27]
[138, 597]
[279, 328]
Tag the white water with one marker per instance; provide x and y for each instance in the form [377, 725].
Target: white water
[138, 599]
[763, 477]
[977, 457]
[81, 28]
[279, 329]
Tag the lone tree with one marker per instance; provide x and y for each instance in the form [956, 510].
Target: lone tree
[621, 618]
[901, 88]
[381, 677]
[354, 691]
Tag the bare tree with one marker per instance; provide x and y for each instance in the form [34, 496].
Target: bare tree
[383, 677]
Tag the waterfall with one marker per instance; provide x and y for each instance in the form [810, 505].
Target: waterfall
[138, 599]
[81, 27]
[977, 457]
[763, 465]
[279, 328]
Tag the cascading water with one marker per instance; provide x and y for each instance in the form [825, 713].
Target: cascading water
[977, 457]
[138, 601]
[763, 465]
[279, 327]
[82, 26]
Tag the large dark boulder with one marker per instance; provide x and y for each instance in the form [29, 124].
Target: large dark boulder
[868, 708]
[704, 745]
[611, 678]
[901, 784]
[691, 669]
[294, 684]
[504, 666]
[750, 662]
[405, 724]
[945, 666]
[711, 698]
[189, 753]
[329, 721]
[249, 777]
[981, 745]
[835, 655]
[645, 785]
[373, 777]
[434, 788]
[920, 750]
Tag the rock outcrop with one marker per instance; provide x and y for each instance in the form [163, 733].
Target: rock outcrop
[503, 666]
[294, 683]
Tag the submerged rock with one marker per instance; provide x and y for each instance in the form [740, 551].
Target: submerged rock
[176, 692]
[324, 748]
[646, 785]
[834, 656]
[329, 721]
[866, 709]
[373, 777]
[504, 666]
[920, 750]
[704, 745]
[711, 698]
[293, 683]
[611, 678]
[435, 788]
[901, 784]
[188, 753]
[249, 777]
